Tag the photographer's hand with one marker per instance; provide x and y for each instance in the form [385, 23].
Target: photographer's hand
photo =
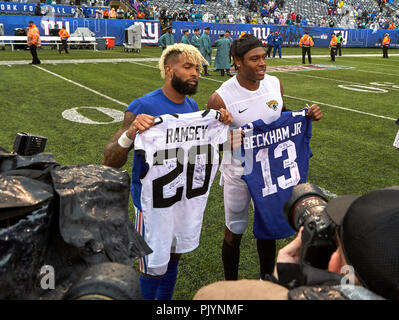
[291, 252]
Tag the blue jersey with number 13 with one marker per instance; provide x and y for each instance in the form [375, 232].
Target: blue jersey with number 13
[279, 155]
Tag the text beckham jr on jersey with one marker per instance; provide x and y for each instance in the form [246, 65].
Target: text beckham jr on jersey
[272, 136]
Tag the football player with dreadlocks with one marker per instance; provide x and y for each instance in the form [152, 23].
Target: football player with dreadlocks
[250, 95]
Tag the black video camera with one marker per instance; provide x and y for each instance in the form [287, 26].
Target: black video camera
[306, 208]
[27, 144]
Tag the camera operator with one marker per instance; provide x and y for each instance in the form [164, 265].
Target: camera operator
[367, 255]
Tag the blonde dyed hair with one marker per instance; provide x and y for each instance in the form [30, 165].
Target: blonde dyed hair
[189, 52]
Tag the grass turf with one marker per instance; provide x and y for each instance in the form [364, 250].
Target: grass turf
[352, 146]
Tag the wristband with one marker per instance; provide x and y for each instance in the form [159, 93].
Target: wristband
[124, 141]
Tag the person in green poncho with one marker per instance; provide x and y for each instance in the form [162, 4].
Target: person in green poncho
[222, 59]
[206, 48]
[195, 39]
[166, 39]
[184, 38]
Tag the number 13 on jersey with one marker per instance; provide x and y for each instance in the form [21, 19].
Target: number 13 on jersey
[288, 163]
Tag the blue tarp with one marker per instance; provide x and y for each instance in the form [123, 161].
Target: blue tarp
[151, 30]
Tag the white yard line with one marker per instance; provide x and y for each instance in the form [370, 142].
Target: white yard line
[302, 74]
[78, 61]
[82, 86]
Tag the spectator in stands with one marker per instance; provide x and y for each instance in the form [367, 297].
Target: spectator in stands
[304, 22]
[217, 17]
[298, 19]
[392, 26]
[64, 35]
[282, 20]
[222, 59]
[323, 22]
[230, 18]
[253, 6]
[140, 14]
[112, 13]
[293, 16]
[105, 13]
[120, 13]
[205, 17]
[99, 13]
[192, 16]
[242, 17]
[167, 38]
[34, 41]
[206, 48]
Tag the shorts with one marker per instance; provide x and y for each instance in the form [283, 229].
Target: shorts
[165, 235]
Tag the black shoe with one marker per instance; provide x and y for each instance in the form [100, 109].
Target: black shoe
[206, 74]
[230, 75]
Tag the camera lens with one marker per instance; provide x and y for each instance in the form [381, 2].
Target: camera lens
[306, 199]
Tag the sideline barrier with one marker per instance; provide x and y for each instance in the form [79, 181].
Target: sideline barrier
[151, 30]
[352, 38]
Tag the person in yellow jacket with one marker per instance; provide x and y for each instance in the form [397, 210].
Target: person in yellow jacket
[33, 41]
[112, 14]
[385, 45]
[306, 43]
[64, 35]
[333, 47]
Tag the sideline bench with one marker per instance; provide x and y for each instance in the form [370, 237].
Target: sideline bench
[49, 40]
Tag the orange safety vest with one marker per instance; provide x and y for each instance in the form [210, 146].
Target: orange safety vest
[112, 13]
[106, 13]
[306, 41]
[333, 42]
[386, 41]
[63, 34]
[34, 36]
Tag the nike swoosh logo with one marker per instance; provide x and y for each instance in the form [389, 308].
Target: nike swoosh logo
[241, 111]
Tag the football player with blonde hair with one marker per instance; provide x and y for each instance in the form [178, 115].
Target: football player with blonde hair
[180, 66]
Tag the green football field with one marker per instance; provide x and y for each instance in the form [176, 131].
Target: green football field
[78, 105]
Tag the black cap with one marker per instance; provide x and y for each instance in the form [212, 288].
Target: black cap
[368, 228]
[207, 28]
[196, 29]
[184, 31]
[227, 31]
